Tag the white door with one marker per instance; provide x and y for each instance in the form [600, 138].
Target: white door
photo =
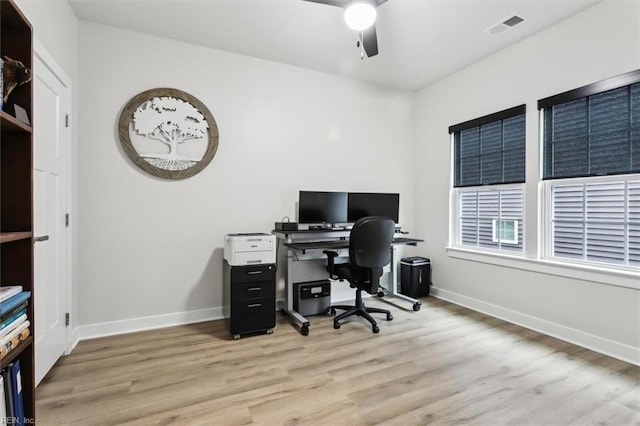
[50, 98]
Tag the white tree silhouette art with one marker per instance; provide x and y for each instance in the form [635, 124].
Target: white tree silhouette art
[173, 122]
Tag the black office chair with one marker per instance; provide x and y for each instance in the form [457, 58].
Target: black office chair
[369, 251]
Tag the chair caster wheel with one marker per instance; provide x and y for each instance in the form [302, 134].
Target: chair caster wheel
[381, 294]
[336, 325]
[416, 306]
[389, 317]
[332, 312]
[375, 329]
[304, 330]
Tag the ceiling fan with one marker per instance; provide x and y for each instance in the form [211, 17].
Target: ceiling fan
[360, 16]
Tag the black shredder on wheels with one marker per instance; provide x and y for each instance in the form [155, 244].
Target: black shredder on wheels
[415, 276]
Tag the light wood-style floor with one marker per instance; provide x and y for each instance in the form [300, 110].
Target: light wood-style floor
[442, 365]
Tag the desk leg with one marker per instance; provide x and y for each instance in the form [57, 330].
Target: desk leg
[304, 323]
[287, 305]
[393, 292]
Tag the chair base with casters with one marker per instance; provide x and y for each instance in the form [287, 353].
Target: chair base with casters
[360, 310]
[369, 251]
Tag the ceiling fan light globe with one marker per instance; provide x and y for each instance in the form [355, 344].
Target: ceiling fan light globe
[360, 16]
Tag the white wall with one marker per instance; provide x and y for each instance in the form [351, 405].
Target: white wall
[603, 41]
[56, 26]
[151, 249]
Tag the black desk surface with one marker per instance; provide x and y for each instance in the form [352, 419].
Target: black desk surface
[338, 244]
[336, 230]
[311, 231]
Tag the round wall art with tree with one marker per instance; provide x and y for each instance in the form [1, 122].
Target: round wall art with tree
[168, 133]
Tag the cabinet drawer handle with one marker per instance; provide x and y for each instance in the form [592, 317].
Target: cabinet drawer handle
[40, 239]
[254, 289]
[254, 305]
[254, 272]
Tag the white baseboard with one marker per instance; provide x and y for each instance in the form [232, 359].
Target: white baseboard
[146, 323]
[72, 340]
[599, 344]
[112, 328]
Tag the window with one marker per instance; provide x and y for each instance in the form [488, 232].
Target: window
[591, 168]
[596, 221]
[488, 218]
[489, 172]
[505, 231]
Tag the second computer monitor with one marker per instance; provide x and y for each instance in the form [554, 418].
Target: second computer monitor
[322, 207]
[363, 204]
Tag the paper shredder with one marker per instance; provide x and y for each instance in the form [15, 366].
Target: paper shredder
[415, 276]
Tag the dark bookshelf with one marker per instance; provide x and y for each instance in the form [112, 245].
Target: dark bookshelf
[16, 191]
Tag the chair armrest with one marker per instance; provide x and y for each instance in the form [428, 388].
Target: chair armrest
[331, 255]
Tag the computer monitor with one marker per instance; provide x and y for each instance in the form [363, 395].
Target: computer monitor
[363, 204]
[322, 207]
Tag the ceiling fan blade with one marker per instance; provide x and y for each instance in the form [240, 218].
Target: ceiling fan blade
[370, 41]
[345, 3]
[339, 3]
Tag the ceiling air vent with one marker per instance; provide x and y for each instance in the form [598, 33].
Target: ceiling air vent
[505, 25]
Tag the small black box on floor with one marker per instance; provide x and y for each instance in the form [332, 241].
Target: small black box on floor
[415, 276]
[312, 297]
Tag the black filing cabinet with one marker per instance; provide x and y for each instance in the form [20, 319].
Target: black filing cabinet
[250, 292]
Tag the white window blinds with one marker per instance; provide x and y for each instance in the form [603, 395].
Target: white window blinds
[480, 211]
[597, 222]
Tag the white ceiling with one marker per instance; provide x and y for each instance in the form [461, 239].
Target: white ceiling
[420, 41]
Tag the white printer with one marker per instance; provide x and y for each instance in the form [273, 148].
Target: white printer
[249, 249]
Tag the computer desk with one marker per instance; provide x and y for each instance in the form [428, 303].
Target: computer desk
[300, 259]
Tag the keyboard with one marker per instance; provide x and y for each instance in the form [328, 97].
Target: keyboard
[340, 244]
[319, 245]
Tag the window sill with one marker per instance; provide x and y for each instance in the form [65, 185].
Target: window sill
[619, 278]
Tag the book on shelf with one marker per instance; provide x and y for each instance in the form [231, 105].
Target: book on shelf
[15, 328]
[18, 309]
[12, 302]
[6, 322]
[16, 387]
[12, 393]
[9, 290]
[3, 401]
[14, 333]
[8, 392]
[13, 343]
[12, 325]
